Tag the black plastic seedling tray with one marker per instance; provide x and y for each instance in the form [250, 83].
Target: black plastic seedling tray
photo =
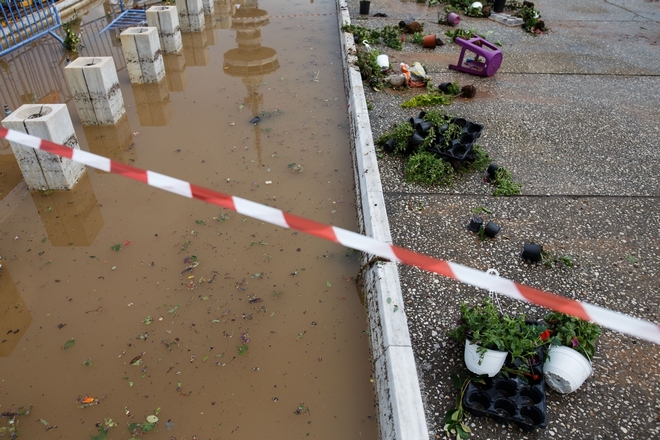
[512, 399]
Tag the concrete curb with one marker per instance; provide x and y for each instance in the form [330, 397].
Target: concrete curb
[401, 411]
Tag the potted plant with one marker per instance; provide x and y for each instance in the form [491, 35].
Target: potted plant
[572, 346]
[491, 337]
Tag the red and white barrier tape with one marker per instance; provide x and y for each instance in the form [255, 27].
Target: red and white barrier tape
[606, 318]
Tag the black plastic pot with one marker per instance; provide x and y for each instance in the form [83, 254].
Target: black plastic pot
[532, 252]
[492, 169]
[444, 87]
[415, 121]
[388, 146]
[491, 229]
[364, 7]
[423, 128]
[498, 6]
[421, 114]
[467, 139]
[460, 122]
[475, 224]
[473, 128]
[443, 128]
[415, 140]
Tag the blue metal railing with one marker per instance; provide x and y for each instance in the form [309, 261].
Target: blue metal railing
[23, 21]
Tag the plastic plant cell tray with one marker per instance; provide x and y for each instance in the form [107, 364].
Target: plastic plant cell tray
[510, 400]
[506, 19]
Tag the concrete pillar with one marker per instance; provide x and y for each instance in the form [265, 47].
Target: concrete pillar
[195, 49]
[95, 87]
[191, 15]
[208, 7]
[166, 19]
[110, 141]
[175, 68]
[141, 48]
[71, 218]
[43, 170]
[153, 103]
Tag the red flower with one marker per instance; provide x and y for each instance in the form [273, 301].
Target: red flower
[545, 335]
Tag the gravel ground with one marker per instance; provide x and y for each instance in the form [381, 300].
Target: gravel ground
[574, 115]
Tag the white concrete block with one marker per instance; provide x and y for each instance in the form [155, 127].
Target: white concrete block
[208, 6]
[166, 20]
[191, 15]
[144, 60]
[96, 92]
[43, 170]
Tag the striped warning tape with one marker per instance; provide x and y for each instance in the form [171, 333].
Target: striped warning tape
[607, 318]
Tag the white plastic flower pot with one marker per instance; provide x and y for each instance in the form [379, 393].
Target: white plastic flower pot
[490, 364]
[565, 369]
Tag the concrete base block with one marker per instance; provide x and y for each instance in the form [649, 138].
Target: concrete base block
[191, 15]
[43, 170]
[175, 68]
[153, 103]
[95, 87]
[209, 7]
[144, 60]
[166, 19]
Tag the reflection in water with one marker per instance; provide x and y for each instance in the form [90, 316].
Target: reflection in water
[210, 30]
[153, 103]
[15, 318]
[71, 218]
[175, 69]
[111, 141]
[251, 61]
[224, 10]
[195, 48]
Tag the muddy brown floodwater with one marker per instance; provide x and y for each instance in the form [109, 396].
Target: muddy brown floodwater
[138, 301]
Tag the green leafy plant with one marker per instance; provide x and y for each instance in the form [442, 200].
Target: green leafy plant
[453, 89]
[504, 184]
[400, 134]
[71, 39]
[550, 260]
[146, 426]
[388, 35]
[366, 62]
[454, 425]
[570, 331]
[427, 100]
[484, 326]
[473, 12]
[417, 38]
[532, 20]
[425, 168]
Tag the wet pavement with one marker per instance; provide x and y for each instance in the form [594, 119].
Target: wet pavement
[573, 114]
[120, 301]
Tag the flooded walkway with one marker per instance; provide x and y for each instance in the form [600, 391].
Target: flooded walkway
[148, 303]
